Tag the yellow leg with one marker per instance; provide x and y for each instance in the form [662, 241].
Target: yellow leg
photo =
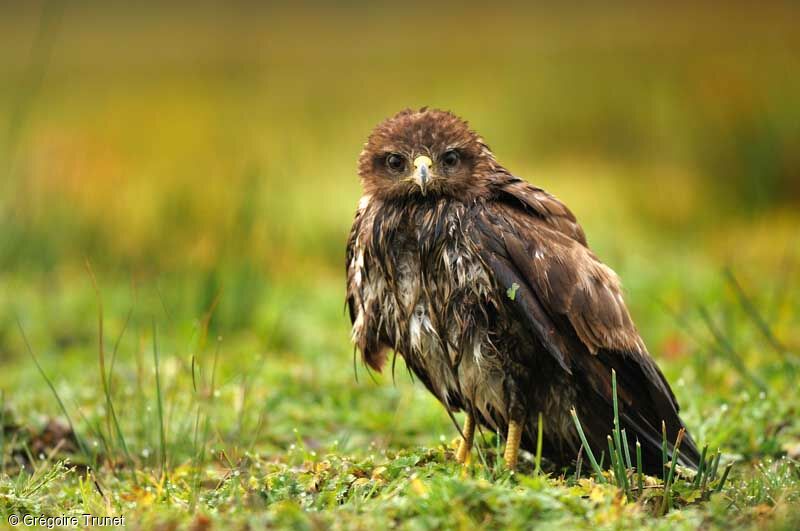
[512, 444]
[465, 447]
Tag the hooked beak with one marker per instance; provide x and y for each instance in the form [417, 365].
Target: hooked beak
[422, 165]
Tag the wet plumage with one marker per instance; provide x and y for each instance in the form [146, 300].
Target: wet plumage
[485, 285]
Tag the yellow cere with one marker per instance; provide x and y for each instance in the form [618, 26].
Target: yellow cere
[422, 159]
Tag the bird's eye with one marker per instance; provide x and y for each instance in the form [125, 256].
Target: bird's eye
[395, 162]
[450, 158]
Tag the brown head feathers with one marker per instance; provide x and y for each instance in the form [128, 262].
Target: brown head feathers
[459, 157]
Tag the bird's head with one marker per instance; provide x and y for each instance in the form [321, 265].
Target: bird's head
[424, 153]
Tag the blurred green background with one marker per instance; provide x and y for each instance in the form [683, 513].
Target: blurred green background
[205, 152]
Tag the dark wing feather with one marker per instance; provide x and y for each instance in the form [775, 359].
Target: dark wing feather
[574, 306]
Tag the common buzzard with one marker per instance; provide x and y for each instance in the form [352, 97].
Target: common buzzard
[485, 285]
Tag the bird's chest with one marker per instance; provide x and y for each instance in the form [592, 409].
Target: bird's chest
[433, 287]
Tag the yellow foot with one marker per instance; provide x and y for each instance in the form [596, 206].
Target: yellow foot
[512, 444]
[464, 449]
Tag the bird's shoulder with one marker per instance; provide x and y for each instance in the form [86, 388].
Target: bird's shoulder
[532, 239]
[510, 191]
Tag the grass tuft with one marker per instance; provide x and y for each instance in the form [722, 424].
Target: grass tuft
[162, 438]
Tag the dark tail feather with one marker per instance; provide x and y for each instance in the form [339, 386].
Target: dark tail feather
[651, 440]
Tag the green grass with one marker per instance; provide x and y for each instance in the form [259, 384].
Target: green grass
[275, 429]
[199, 369]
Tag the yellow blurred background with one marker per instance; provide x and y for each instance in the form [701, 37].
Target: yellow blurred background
[210, 140]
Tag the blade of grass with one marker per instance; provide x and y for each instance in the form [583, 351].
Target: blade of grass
[715, 465]
[497, 452]
[639, 468]
[620, 468]
[116, 346]
[200, 450]
[724, 478]
[664, 453]
[783, 288]
[620, 474]
[666, 500]
[710, 472]
[751, 310]
[97, 432]
[194, 379]
[539, 440]
[206, 321]
[701, 470]
[579, 463]
[202, 337]
[612, 453]
[627, 450]
[597, 470]
[355, 363]
[214, 368]
[727, 348]
[111, 414]
[163, 302]
[197, 463]
[244, 390]
[100, 347]
[159, 405]
[480, 449]
[49, 383]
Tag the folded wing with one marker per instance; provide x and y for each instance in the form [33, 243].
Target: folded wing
[573, 303]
